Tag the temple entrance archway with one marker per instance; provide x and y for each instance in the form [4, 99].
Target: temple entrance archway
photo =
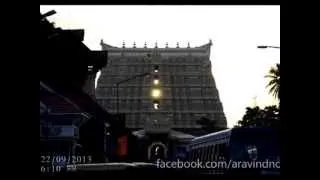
[157, 150]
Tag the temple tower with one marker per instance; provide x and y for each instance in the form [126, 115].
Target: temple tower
[188, 85]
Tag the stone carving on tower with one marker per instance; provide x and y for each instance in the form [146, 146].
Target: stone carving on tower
[189, 89]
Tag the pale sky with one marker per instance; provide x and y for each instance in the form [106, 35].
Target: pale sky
[237, 65]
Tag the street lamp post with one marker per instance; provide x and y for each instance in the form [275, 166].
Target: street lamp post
[264, 47]
[123, 81]
[157, 92]
[50, 13]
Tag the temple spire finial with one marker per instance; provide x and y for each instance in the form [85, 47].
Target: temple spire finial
[123, 44]
[177, 44]
[156, 44]
[188, 44]
[145, 44]
[101, 42]
[167, 45]
[134, 44]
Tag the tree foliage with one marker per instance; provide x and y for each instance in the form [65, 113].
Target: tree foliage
[208, 125]
[256, 117]
[274, 83]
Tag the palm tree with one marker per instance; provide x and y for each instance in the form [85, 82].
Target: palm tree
[274, 82]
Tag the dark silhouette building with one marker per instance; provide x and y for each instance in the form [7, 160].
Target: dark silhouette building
[71, 122]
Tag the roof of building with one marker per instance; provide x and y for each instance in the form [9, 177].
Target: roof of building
[225, 132]
[172, 133]
[108, 47]
[74, 102]
[98, 59]
[55, 102]
[90, 106]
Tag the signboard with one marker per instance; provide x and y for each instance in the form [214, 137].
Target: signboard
[122, 149]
